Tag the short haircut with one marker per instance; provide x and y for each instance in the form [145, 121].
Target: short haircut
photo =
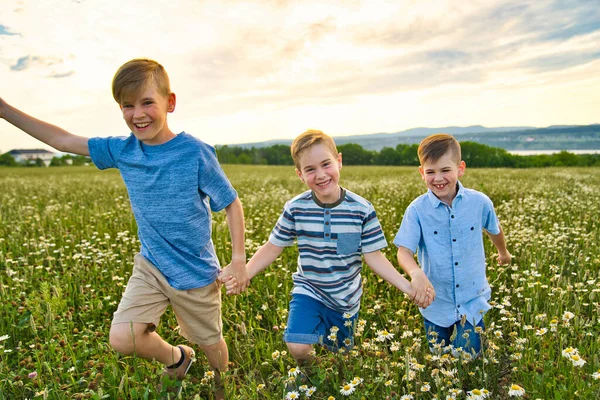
[133, 76]
[310, 138]
[433, 147]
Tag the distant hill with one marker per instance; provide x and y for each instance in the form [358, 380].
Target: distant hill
[557, 137]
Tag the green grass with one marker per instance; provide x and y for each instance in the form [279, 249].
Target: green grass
[67, 241]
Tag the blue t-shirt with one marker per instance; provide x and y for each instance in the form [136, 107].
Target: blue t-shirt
[451, 253]
[331, 240]
[172, 189]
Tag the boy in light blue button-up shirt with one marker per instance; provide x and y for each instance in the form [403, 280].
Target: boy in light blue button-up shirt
[445, 225]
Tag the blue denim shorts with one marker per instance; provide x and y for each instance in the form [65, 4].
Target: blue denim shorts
[311, 322]
[466, 337]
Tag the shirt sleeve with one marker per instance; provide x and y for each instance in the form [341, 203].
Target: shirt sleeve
[104, 151]
[284, 232]
[409, 234]
[489, 219]
[372, 238]
[213, 182]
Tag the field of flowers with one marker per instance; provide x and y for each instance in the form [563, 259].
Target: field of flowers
[67, 241]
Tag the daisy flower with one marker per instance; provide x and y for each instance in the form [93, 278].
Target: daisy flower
[569, 351]
[516, 391]
[384, 335]
[541, 331]
[577, 360]
[357, 380]
[293, 395]
[293, 371]
[347, 389]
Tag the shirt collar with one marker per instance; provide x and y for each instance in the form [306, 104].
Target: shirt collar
[435, 202]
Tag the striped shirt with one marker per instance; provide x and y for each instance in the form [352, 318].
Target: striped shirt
[331, 239]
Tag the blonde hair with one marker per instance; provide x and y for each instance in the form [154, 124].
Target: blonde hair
[133, 76]
[308, 139]
[433, 147]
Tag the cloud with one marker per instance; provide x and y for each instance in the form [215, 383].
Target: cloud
[23, 63]
[4, 31]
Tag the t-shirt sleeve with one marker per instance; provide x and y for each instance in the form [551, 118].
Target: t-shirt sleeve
[104, 151]
[213, 182]
[489, 219]
[284, 232]
[409, 233]
[372, 238]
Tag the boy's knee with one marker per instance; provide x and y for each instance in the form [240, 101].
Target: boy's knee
[300, 351]
[122, 338]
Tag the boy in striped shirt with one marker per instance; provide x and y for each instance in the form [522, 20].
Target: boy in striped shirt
[334, 228]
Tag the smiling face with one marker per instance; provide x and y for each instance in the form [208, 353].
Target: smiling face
[146, 115]
[320, 171]
[441, 176]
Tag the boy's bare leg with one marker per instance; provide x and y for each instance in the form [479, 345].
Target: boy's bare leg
[133, 338]
[218, 358]
[302, 353]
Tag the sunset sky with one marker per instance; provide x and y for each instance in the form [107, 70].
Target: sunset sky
[247, 71]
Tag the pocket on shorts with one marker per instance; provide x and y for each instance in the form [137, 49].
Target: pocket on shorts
[348, 243]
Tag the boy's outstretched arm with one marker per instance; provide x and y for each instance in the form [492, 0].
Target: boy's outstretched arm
[384, 269]
[50, 134]
[504, 256]
[237, 268]
[423, 288]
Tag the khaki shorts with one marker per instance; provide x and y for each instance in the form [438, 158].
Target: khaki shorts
[148, 293]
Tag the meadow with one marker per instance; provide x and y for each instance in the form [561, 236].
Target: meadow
[68, 237]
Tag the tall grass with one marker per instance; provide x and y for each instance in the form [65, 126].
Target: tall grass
[67, 241]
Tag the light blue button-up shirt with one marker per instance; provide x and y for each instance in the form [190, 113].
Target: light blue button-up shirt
[451, 253]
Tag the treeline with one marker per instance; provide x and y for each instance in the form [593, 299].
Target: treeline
[7, 160]
[475, 155]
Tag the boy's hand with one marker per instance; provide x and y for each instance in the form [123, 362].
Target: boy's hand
[229, 281]
[235, 277]
[504, 258]
[424, 293]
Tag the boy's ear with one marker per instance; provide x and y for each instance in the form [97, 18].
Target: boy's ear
[422, 172]
[299, 175]
[461, 168]
[172, 102]
[339, 159]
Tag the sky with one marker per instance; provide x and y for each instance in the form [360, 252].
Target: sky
[250, 71]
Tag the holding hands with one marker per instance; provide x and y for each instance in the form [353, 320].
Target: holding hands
[424, 292]
[235, 277]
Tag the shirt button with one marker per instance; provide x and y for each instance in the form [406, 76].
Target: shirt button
[452, 216]
[455, 263]
[454, 240]
[327, 235]
[326, 222]
[472, 228]
[435, 232]
[458, 306]
[457, 286]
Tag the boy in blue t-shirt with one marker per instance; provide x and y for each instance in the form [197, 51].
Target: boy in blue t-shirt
[445, 225]
[334, 229]
[174, 181]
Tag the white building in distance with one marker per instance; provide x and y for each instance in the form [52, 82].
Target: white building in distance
[28, 156]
